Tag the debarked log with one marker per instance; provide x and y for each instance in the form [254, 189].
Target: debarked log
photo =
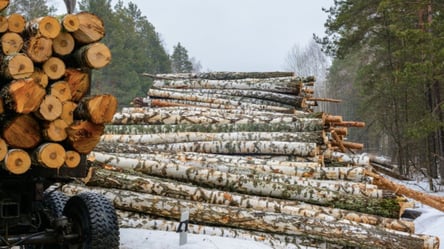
[159, 186]
[362, 235]
[387, 207]
[317, 137]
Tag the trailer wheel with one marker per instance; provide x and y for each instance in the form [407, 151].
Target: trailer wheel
[94, 218]
[55, 201]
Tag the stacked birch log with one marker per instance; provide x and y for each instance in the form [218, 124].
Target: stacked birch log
[47, 119]
[255, 169]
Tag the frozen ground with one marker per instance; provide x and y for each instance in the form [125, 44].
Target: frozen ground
[431, 222]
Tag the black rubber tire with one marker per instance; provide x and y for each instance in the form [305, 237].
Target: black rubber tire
[95, 219]
[55, 201]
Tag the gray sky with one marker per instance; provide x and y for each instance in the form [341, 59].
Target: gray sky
[236, 35]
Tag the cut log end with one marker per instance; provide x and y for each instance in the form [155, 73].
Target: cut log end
[55, 130]
[39, 48]
[17, 161]
[50, 155]
[16, 23]
[23, 96]
[68, 108]
[47, 26]
[96, 55]
[3, 24]
[98, 109]
[73, 159]
[4, 4]
[83, 136]
[70, 22]
[50, 108]
[79, 83]
[63, 44]
[61, 90]
[17, 66]
[91, 28]
[22, 132]
[40, 77]
[54, 68]
[11, 43]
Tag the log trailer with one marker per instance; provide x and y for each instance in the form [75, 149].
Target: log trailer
[34, 215]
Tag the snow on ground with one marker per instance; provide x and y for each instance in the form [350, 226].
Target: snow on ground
[142, 239]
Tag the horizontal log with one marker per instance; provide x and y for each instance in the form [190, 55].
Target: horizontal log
[346, 234]
[4, 4]
[318, 137]
[288, 99]
[83, 136]
[242, 147]
[387, 207]
[302, 125]
[3, 149]
[277, 241]
[16, 23]
[98, 109]
[280, 85]
[174, 189]
[91, 28]
[17, 161]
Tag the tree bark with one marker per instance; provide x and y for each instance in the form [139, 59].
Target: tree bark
[38, 48]
[241, 147]
[46, 26]
[334, 232]
[16, 23]
[79, 83]
[98, 109]
[16, 66]
[242, 75]
[12, 43]
[91, 28]
[301, 125]
[63, 44]
[386, 207]
[279, 85]
[174, 189]
[162, 116]
[225, 100]
[23, 96]
[83, 136]
[317, 137]
[54, 68]
[50, 155]
[279, 97]
[17, 161]
[22, 132]
[95, 55]
[50, 108]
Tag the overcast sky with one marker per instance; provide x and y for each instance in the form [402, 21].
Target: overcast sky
[236, 35]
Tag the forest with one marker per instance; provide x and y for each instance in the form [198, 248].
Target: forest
[386, 65]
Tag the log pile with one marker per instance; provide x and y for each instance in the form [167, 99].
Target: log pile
[267, 168]
[47, 118]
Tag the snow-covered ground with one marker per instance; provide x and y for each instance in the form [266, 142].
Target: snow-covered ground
[431, 222]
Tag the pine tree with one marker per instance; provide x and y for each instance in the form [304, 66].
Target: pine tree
[31, 8]
[179, 60]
